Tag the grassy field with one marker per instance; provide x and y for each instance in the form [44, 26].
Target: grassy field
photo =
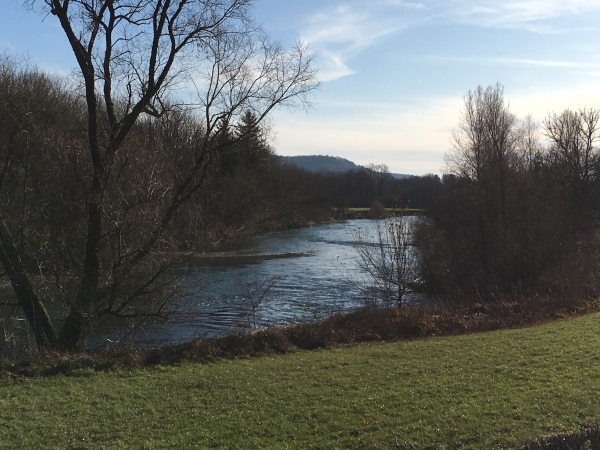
[488, 390]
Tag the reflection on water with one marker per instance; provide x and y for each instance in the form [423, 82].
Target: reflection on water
[311, 267]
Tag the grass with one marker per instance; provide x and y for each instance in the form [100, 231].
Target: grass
[486, 390]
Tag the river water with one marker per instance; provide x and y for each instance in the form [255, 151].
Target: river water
[310, 270]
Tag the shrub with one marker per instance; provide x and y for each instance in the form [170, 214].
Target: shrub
[377, 211]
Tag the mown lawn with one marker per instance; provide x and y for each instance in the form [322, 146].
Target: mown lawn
[489, 390]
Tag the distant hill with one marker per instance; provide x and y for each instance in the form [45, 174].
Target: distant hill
[320, 163]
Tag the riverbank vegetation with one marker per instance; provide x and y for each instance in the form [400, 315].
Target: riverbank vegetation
[519, 218]
[99, 175]
[369, 324]
[513, 224]
[486, 390]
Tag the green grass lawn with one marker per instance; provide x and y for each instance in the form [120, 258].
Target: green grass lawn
[358, 209]
[489, 390]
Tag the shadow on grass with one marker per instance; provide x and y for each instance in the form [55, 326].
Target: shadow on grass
[587, 438]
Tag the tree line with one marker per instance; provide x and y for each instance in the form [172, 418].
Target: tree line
[359, 188]
[519, 212]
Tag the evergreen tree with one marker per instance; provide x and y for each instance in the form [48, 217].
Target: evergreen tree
[254, 152]
[226, 149]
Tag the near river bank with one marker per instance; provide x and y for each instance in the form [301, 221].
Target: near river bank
[485, 390]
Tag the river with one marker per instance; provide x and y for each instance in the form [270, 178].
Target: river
[309, 268]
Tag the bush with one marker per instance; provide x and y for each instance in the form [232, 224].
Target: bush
[509, 224]
[377, 211]
[388, 259]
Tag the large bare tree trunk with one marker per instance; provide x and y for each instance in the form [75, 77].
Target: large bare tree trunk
[34, 310]
[79, 320]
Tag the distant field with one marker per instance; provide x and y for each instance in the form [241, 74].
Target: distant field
[488, 390]
[388, 209]
[358, 209]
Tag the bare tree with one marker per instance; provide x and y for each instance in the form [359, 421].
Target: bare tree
[388, 259]
[40, 182]
[501, 227]
[139, 61]
[380, 175]
[528, 144]
[573, 136]
[484, 146]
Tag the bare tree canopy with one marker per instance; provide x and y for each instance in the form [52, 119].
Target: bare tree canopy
[141, 64]
[485, 146]
[519, 215]
[380, 174]
[573, 137]
[485, 138]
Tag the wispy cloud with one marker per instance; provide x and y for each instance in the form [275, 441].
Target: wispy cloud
[405, 4]
[340, 33]
[333, 66]
[528, 14]
[506, 61]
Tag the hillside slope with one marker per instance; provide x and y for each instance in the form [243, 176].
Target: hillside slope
[317, 163]
[320, 163]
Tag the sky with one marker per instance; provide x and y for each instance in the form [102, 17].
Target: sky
[393, 72]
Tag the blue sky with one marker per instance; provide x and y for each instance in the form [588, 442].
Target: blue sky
[394, 72]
